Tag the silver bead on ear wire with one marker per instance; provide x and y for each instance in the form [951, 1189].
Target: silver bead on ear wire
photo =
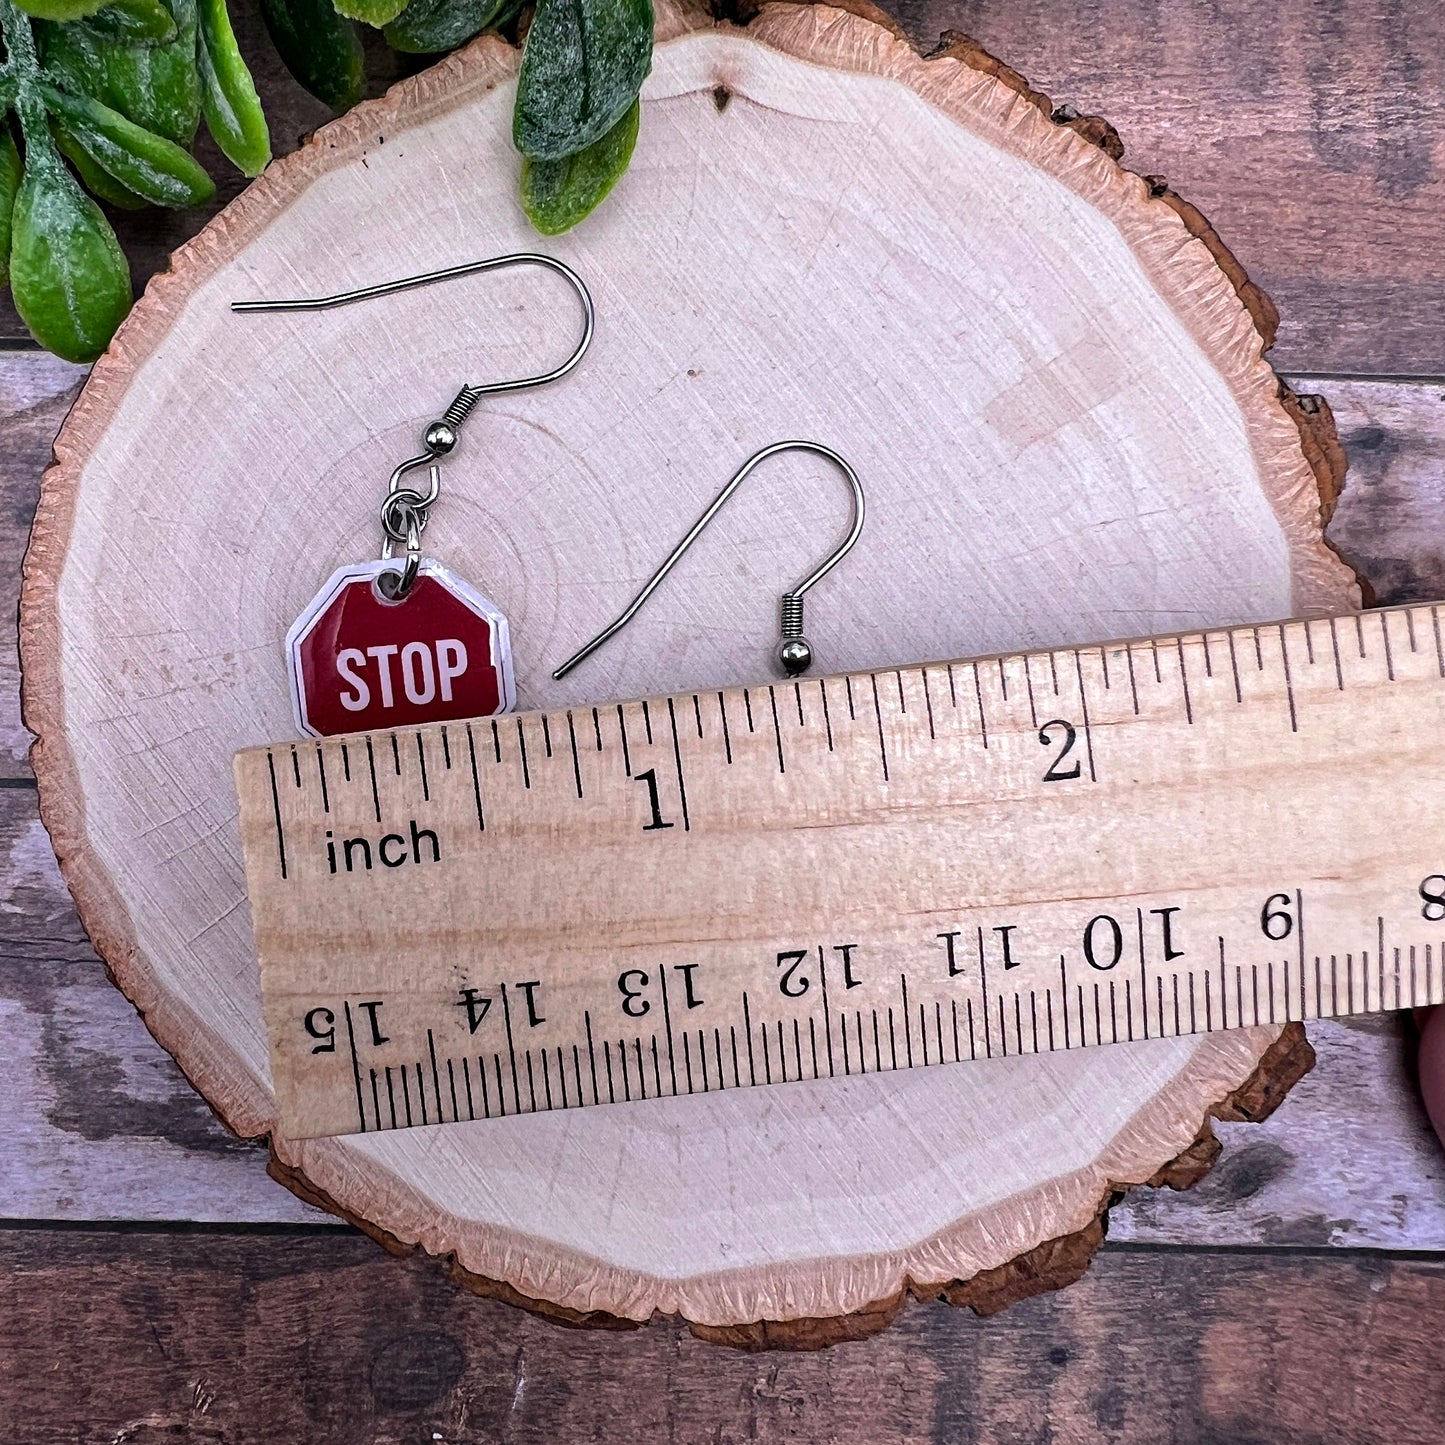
[795, 652]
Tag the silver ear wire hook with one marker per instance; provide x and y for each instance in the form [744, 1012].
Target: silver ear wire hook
[795, 653]
[404, 510]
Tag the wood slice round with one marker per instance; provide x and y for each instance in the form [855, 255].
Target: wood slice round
[1048, 374]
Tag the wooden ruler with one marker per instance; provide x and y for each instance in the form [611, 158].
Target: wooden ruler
[845, 875]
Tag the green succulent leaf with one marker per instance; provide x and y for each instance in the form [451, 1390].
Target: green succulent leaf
[427, 27]
[97, 181]
[156, 169]
[584, 64]
[228, 94]
[142, 22]
[319, 47]
[370, 12]
[156, 86]
[68, 276]
[59, 9]
[558, 194]
[11, 172]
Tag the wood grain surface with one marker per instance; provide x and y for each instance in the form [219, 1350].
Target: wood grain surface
[286, 1337]
[1081, 356]
[1308, 133]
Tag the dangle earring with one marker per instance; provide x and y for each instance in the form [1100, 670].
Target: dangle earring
[401, 640]
[794, 654]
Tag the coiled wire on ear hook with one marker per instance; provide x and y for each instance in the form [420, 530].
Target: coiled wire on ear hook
[404, 509]
[795, 653]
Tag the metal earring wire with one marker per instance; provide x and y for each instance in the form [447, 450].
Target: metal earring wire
[404, 510]
[795, 653]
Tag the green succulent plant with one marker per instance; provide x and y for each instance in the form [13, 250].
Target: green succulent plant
[103, 102]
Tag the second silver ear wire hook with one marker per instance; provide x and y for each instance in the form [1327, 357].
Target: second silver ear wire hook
[404, 510]
[795, 653]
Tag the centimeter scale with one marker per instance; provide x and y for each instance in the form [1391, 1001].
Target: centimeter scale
[888, 870]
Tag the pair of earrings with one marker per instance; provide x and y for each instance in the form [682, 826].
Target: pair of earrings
[401, 640]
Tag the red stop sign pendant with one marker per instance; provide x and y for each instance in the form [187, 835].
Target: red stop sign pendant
[359, 661]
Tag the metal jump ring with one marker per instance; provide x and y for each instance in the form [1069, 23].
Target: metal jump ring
[395, 586]
[401, 511]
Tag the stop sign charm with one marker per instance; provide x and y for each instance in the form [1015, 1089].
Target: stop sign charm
[402, 641]
[360, 660]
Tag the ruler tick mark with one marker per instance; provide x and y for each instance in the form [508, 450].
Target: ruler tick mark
[727, 738]
[592, 1058]
[1184, 682]
[375, 792]
[748, 1035]
[907, 1031]
[296, 766]
[1288, 681]
[436, 1074]
[777, 730]
[276, 806]
[667, 1026]
[622, 732]
[1084, 709]
[355, 1064]
[677, 761]
[395, 755]
[576, 760]
[827, 1013]
[421, 764]
[878, 714]
[476, 783]
[827, 718]
[522, 745]
[1335, 648]
[511, 1050]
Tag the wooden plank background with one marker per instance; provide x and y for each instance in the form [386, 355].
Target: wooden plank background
[155, 1285]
